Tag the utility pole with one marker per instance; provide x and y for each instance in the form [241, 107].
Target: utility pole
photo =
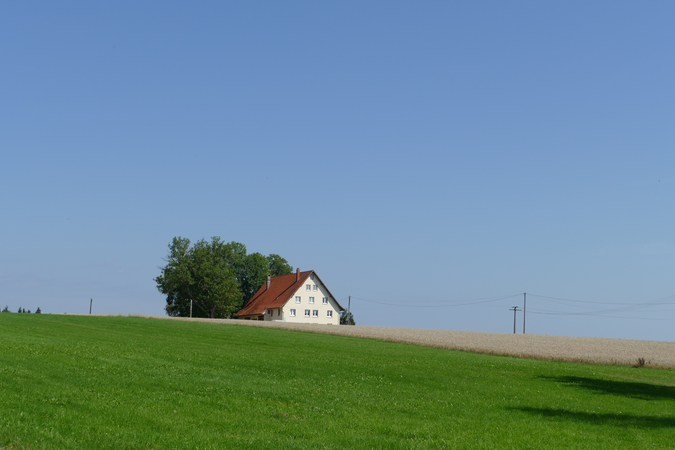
[91, 301]
[515, 309]
[190, 309]
[524, 309]
[349, 306]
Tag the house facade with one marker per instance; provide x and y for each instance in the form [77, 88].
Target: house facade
[300, 297]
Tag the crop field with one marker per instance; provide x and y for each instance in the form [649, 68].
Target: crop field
[78, 382]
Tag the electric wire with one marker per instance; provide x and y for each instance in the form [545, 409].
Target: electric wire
[655, 302]
[455, 303]
[619, 307]
[596, 315]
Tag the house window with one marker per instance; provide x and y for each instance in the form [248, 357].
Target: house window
[329, 313]
[278, 312]
[311, 300]
[297, 299]
[315, 313]
[312, 276]
[269, 311]
[307, 313]
[308, 287]
[324, 300]
[292, 313]
[316, 288]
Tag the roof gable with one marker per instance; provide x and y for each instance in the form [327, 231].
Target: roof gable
[329, 292]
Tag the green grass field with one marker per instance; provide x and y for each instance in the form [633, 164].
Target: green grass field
[69, 382]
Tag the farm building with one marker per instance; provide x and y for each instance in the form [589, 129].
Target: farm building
[299, 297]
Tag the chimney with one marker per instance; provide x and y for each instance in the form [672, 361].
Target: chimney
[269, 281]
[297, 274]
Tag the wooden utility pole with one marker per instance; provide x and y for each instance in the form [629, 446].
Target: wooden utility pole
[349, 306]
[515, 309]
[190, 309]
[524, 309]
[91, 301]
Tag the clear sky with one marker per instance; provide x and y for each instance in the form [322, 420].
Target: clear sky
[422, 157]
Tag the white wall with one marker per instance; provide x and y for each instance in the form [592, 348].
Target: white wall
[304, 304]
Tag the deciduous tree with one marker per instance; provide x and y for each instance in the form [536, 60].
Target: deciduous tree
[201, 274]
[218, 277]
[278, 266]
[252, 274]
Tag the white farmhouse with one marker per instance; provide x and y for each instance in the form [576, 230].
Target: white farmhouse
[299, 297]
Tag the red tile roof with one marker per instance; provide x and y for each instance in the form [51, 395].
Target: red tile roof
[281, 290]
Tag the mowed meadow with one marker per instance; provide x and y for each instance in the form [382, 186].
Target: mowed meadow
[78, 382]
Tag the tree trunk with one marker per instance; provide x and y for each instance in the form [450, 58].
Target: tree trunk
[213, 313]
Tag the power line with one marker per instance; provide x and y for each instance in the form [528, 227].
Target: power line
[620, 307]
[448, 301]
[654, 302]
[598, 312]
[596, 315]
[456, 302]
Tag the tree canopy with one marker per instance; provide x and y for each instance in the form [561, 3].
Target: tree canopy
[218, 277]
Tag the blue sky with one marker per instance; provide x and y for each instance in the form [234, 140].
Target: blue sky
[417, 156]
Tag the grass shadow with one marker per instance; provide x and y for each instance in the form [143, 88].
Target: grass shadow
[630, 389]
[608, 419]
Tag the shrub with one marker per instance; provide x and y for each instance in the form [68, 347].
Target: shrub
[347, 318]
